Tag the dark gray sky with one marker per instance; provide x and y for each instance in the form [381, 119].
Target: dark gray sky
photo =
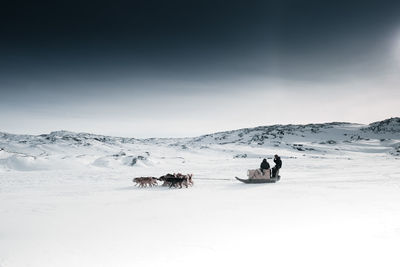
[177, 68]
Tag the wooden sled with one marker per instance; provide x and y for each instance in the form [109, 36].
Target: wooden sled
[259, 181]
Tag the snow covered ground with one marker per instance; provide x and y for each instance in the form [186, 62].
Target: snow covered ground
[67, 199]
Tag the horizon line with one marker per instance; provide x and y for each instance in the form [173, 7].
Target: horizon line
[130, 137]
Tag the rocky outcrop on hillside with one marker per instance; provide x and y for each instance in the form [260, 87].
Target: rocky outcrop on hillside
[391, 125]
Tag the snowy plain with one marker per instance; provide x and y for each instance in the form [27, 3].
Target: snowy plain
[67, 199]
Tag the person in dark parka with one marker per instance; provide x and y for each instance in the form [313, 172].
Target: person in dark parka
[264, 166]
[278, 165]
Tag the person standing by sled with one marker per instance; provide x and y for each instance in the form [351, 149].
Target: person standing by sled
[278, 165]
[264, 166]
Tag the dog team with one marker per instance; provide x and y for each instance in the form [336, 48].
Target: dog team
[171, 180]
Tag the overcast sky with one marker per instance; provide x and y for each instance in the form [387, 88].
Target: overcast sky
[185, 68]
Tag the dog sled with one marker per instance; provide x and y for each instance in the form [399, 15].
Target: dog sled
[258, 177]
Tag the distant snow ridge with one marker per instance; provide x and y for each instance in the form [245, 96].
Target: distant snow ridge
[264, 134]
[66, 150]
[391, 125]
[83, 138]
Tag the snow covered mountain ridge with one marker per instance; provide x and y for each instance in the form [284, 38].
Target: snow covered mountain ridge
[64, 149]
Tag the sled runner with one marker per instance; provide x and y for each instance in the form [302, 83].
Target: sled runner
[258, 181]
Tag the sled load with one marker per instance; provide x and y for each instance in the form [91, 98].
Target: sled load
[258, 177]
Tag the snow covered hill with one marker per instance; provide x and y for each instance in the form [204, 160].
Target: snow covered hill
[68, 150]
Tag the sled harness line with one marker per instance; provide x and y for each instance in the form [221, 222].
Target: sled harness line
[220, 179]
